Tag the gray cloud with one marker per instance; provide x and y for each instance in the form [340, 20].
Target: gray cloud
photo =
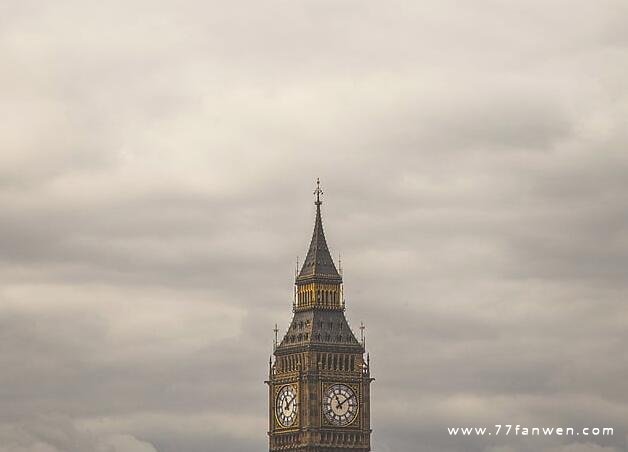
[155, 169]
[54, 433]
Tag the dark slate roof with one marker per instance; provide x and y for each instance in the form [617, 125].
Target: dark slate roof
[318, 264]
[320, 330]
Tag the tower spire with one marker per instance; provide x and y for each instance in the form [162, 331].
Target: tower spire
[318, 264]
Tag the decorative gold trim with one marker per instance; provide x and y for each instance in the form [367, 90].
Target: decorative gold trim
[297, 419]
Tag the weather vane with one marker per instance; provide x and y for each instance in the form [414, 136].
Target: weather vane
[318, 192]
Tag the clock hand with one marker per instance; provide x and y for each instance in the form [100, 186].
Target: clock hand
[345, 400]
[287, 404]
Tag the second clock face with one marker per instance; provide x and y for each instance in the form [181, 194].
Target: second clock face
[340, 404]
[286, 405]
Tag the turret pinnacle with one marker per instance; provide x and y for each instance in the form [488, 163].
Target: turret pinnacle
[318, 264]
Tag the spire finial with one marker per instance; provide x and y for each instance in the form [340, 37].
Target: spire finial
[340, 264]
[362, 328]
[275, 330]
[318, 192]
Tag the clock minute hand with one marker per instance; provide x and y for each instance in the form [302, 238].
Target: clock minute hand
[345, 400]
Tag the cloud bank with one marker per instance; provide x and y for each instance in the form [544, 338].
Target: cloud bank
[156, 165]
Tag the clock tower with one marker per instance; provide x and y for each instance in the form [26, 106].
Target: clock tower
[319, 381]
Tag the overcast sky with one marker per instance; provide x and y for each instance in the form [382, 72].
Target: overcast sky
[157, 162]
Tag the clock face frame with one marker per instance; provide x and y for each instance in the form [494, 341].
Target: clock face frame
[340, 404]
[286, 405]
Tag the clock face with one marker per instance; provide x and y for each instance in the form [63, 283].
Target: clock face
[340, 404]
[286, 405]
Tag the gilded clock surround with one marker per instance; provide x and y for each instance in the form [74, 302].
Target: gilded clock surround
[295, 423]
[319, 350]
